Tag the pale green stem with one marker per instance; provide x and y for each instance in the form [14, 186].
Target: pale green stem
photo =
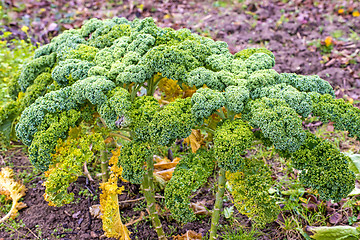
[231, 115]
[208, 129]
[104, 166]
[148, 187]
[128, 138]
[218, 204]
[221, 115]
[134, 91]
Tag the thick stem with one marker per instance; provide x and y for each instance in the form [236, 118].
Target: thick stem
[218, 204]
[134, 91]
[112, 134]
[152, 84]
[148, 187]
[221, 115]
[13, 206]
[104, 166]
[149, 86]
[231, 115]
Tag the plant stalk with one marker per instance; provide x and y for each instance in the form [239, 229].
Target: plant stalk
[148, 187]
[104, 166]
[218, 204]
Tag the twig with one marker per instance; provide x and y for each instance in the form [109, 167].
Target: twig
[142, 215]
[138, 199]
[86, 171]
[119, 135]
[65, 233]
[21, 232]
[32, 233]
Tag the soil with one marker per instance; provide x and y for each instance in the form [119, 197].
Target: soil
[287, 29]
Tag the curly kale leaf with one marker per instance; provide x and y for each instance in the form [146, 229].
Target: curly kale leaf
[299, 101]
[45, 140]
[236, 98]
[205, 102]
[250, 190]
[307, 83]
[34, 68]
[91, 89]
[141, 113]
[133, 160]
[190, 174]
[345, 116]
[324, 168]
[278, 122]
[174, 121]
[70, 71]
[115, 110]
[231, 139]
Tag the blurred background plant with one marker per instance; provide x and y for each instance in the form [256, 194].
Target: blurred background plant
[13, 54]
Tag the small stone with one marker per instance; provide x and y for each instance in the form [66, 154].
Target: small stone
[93, 234]
[85, 236]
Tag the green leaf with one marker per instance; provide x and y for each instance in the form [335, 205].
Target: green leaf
[228, 212]
[354, 165]
[334, 233]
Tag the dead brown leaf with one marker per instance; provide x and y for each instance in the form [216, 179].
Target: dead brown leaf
[195, 140]
[189, 235]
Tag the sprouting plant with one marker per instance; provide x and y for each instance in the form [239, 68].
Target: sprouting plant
[116, 83]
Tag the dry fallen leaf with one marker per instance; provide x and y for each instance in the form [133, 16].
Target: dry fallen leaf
[199, 208]
[95, 211]
[195, 140]
[189, 235]
[164, 168]
[13, 190]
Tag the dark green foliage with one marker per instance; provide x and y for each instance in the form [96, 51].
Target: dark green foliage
[36, 90]
[134, 73]
[115, 110]
[142, 44]
[202, 76]
[231, 139]
[11, 111]
[278, 122]
[236, 98]
[307, 83]
[132, 159]
[171, 62]
[102, 69]
[106, 40]
[141, 113]
[53, 127]
[324, 168]
[32, 69]
[205, 102]
[343, 114]
[218, 62]
[174, 121]
[260, 79]
[91, 90]
[299, 101]
[70, 71]
[190, 174]
[258, 61]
